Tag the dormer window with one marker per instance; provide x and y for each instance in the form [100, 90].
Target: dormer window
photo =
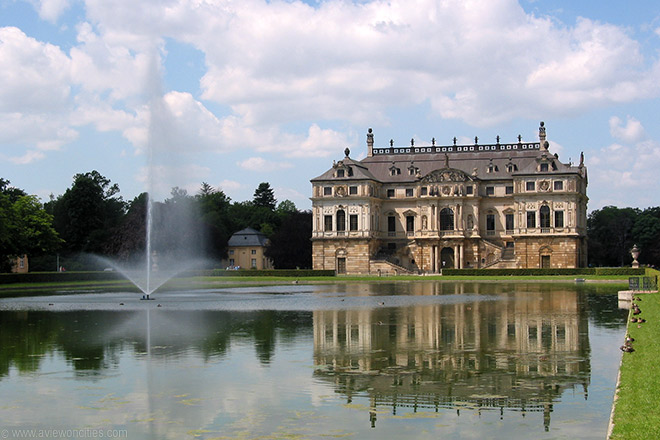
[511, 167]
[340, 173]
[544, 168]
[492, 167]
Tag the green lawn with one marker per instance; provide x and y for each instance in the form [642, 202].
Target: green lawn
[637, 408]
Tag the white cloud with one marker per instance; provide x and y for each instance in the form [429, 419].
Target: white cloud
[626, 171]
[27, 158]
[34, 77]
[229, 185]
[260, 164]
[50, 10]
[160, 178]
[631, 132]
[298, 78]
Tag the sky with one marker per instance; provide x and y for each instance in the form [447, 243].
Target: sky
[234, 93]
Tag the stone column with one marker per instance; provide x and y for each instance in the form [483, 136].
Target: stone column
[460, 258]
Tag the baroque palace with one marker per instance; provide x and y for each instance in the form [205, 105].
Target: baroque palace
[422, 208]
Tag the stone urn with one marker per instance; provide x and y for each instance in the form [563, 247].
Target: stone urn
[635, 254]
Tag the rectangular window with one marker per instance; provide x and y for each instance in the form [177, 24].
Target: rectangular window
[327, 190]
[425, 190]
[410, 223]
[468, 190]
[490, 190]
[353, 222]
[341, 220]
[509, 222]
[253, 252]
[340, 173]
[391, 223]
[352, 190]
[231, 252]
[328, 222]
[559, 219]
[390, 193]
[490, 222]
[409, 192]
[530, 186]
[253, 263]
[544, 167]
[509, 189]
[559, 185]
[232, 262]
[531, 219]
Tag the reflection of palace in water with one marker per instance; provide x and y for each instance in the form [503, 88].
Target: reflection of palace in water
[516, 350]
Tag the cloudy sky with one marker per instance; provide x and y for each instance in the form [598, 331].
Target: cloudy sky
[234, 93]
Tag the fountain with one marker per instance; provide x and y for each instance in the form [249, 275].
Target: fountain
[173, 243]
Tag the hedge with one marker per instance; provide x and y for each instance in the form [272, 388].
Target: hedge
[63, 277]
[611, 271]
[58, 277]
[260, 273]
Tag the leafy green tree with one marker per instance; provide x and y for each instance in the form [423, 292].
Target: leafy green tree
[86, 213]
[25, 227]
[129, 236]
[264, 196]
[286, 207]
[646, 234]
[610, 236]
[214, 206]
[291, 246]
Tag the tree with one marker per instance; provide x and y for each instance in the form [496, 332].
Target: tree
[86, 213]
[25, 227]
[646, 234]
[610, 236]
[264, 196]
[214, 207]
[291, 246]
[286, 207]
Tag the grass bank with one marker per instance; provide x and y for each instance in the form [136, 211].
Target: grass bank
[637, 406]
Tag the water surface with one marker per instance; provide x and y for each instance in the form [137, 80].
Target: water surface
[421, 360]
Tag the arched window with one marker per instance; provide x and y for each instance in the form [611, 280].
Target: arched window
[341, 220]
[545, 216]
[446, 219]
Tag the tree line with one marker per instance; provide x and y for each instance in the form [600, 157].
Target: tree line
[91, 218]
[612, 232]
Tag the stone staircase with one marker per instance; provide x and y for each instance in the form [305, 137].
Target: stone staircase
[385, 267]
[505, 258]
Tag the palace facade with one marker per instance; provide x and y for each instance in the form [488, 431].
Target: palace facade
[422, 208]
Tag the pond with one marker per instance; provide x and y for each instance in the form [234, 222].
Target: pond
[388, 360]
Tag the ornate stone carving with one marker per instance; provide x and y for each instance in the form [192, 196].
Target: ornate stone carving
[340, 191]
[544, 185]
[446, 175]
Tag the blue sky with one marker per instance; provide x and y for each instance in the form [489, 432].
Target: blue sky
[234, 93]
